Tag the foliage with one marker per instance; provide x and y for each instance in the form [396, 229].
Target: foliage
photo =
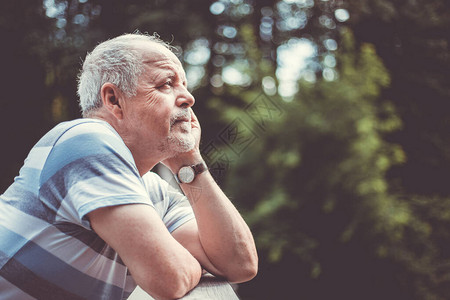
[412, 39]
[320, 171]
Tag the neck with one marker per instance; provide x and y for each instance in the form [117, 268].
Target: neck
[145, 158]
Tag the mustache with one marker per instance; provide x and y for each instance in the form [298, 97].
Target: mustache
[184, 114]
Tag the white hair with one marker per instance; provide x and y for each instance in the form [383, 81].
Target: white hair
[116, 61]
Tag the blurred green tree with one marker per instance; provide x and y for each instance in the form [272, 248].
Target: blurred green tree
[412, 38]
[315, 192]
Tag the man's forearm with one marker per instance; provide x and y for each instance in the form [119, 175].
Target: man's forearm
[224, 235]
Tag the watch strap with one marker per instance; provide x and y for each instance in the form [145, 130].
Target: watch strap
[200, 168]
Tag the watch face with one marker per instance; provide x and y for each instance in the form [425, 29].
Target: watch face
[186, 174]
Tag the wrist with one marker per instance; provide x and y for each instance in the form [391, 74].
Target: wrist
[184, 159]
[188, 173]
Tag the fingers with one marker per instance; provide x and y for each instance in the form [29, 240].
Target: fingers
[193, 116]
[194, 120]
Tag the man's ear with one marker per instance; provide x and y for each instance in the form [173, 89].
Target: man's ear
[111, 98]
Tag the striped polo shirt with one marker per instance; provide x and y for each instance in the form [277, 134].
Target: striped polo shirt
[48, 249]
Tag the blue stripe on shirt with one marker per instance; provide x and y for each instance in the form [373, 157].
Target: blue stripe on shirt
[69, 278]
[55, 189]
[27, 202]
[79, 147]
[89, 238]
[29, 178]
[10, 243]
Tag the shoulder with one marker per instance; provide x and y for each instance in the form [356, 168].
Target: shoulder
[87, 128]
[68, 129]
[86, 144]
[89, 137]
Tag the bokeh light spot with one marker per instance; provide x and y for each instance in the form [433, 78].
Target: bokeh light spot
[217, 8]
[341, 14]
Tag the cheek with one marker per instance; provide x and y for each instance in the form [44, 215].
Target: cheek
[162, 111]
[155, 112]
[159, 117]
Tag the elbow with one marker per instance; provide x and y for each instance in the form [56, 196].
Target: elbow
[172, 285]
[174, 288]
[178, 288]
[243, 272]
[243, 275]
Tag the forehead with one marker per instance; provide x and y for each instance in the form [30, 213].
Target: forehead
[158, 58]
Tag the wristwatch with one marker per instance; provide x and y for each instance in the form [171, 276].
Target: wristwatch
[187, 174]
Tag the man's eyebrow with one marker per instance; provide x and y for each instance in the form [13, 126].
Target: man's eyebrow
[165, 70]
[166, 74]
[149, 61]
[160, 76]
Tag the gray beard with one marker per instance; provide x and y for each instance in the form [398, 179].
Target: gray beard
[181, 144]
[176, 144]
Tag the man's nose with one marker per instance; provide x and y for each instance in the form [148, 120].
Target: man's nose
[185, 98]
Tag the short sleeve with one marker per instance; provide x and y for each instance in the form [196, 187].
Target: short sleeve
[89, 167]
[172, 206]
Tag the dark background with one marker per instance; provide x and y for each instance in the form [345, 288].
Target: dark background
[344, 182]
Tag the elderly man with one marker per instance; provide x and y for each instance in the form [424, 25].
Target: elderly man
[86, 219]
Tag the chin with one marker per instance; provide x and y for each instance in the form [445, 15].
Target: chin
[182, 145]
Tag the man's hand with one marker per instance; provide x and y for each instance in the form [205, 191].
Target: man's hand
[219, 238]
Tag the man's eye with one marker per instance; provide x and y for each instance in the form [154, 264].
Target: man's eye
[167, 84]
